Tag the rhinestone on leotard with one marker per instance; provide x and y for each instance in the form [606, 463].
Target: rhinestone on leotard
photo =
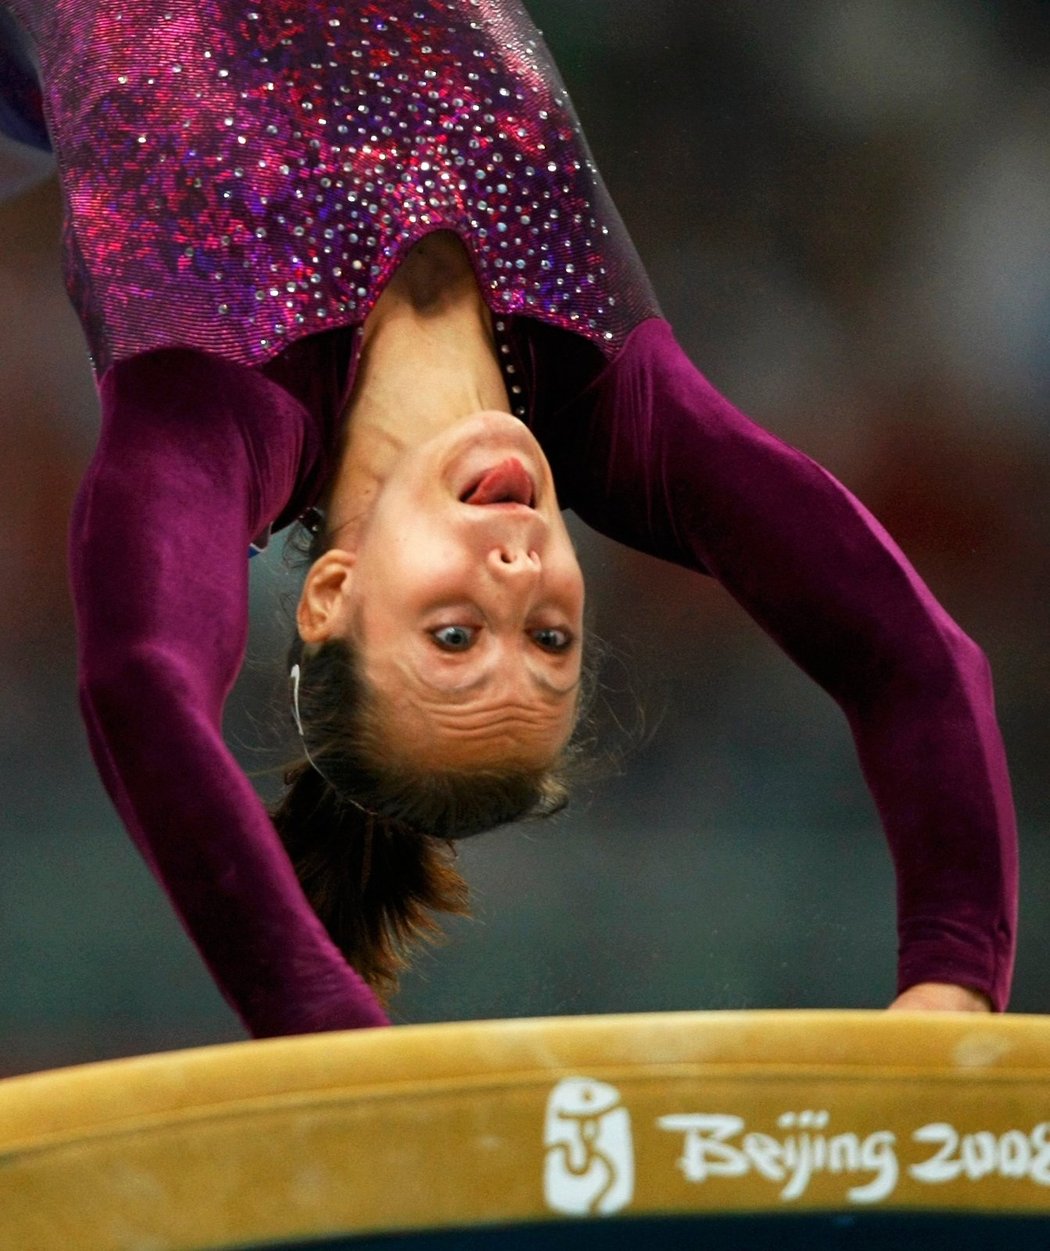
[238, 177]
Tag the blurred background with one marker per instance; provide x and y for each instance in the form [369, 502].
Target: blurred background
[845, 209]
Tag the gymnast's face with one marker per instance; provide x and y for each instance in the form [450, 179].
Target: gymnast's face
[464, 598]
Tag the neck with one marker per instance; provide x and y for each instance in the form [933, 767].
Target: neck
[428, 360]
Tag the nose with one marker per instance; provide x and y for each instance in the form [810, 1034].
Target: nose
[513, 561]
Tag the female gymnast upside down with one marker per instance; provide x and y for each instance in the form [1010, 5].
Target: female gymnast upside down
[353, 263]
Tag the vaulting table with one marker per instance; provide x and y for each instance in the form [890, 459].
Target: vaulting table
[689, 1130]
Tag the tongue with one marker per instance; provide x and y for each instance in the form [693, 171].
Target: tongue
[508, 483]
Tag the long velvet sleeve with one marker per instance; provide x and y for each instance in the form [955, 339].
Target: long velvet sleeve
[653, 456]
[195, 457]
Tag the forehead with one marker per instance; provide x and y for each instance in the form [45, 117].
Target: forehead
[519, 718]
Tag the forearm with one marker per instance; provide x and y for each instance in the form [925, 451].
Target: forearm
[160, 584]
[210, 844]
[933, 757]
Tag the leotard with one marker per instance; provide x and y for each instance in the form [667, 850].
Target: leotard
[218, 217]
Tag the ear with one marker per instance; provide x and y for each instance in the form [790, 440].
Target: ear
[323, 604]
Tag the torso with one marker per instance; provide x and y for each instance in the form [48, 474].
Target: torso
[240, 177]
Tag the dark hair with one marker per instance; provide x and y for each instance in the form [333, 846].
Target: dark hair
[370, 837]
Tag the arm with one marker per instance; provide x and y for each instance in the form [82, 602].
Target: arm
[196, 455]
[656, 458]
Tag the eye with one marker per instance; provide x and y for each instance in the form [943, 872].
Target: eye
[454, 638]
[552, 639]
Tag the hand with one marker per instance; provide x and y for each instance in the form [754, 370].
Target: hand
[940, 997]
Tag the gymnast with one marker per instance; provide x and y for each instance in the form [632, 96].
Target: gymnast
[351, 265]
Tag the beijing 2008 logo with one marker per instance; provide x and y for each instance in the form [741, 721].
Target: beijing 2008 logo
[589, 1165]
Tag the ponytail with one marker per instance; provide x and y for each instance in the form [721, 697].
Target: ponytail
[373, 882]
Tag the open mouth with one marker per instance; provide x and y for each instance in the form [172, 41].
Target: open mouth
[506, 483]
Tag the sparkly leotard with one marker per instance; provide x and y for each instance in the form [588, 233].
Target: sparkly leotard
[240, 176]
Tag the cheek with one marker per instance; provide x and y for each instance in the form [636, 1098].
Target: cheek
[567, 582]
[398, 583]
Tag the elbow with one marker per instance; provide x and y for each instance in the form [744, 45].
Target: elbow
[964, 664]
[918, 659]
[939, 667]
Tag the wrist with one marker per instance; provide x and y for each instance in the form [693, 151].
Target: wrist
[941, 997]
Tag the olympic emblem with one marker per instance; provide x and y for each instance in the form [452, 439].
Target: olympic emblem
[589, 1165]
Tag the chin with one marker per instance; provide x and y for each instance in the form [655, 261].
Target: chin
[484, 438]
[494, 419]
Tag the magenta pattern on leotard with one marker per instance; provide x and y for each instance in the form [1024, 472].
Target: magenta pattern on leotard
[239, 175]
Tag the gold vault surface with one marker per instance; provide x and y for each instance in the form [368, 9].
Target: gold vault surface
[503, 1122]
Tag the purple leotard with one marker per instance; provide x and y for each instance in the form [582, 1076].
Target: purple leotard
[211, 434]
[238, 175]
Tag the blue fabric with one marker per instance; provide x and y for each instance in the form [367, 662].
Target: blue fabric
[21, 106]
[788, 1231]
